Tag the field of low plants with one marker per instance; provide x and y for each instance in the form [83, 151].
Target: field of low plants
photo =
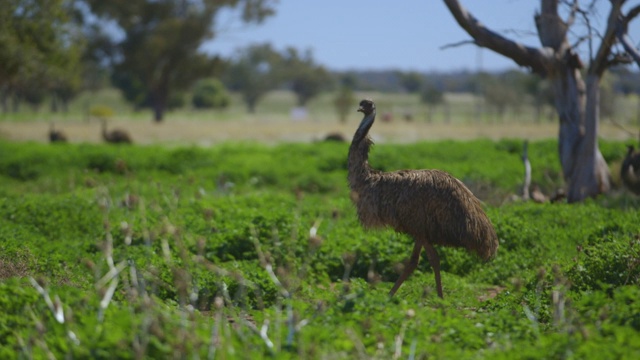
[249, 251]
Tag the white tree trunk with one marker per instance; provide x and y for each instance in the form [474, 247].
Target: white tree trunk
[585, 171]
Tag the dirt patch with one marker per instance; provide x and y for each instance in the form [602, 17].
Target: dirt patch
[13, 268]
[490, 293]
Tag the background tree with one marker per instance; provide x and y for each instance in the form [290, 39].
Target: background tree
[254, 72]
[631, 49]
[65, 79]
[159, 53]
[210, 94]
[504, 91]
[498, 96]
[411, 81]
[39, 48]
[306, 78]
[608, 98]
[345, 100]
[585, 170]
[432, 97]
[626, 81]
[539, 93]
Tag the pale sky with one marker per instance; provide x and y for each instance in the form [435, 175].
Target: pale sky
[382, 35]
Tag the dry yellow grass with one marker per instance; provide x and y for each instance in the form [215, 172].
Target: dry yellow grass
[273, 123]
[204, 133]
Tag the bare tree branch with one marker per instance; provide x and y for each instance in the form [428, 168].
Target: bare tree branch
[459, 43]
[572, 15]
[631, 14]
[579, 41]
[621, 33]
[534, 58]
[587, 21]
[629, 47]
[601, 61]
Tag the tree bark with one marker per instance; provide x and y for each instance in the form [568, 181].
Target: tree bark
[159, 100]
[158, 113]
[589, 174]
[585, 171]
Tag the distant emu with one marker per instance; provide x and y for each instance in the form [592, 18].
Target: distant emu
[630, 170]
[335, 136]
[115, 136]
[56, 136]
[431, 206]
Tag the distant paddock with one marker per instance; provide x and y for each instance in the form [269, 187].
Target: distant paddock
[204, 133]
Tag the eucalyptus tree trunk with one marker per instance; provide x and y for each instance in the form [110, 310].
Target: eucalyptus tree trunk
[159, 101]
[585, 171]
[158, 112]
[584, 168]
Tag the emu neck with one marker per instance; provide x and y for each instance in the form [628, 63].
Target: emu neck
[358, 160]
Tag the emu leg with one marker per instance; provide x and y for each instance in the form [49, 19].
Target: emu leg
[413, 263]
[434, 260]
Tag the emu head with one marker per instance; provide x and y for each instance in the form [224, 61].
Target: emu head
[367, 107]
[630, 150]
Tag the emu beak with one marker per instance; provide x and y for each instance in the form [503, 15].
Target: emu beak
[360, 109]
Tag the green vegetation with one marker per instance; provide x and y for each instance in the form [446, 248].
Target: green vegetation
[210, 93]
[254, 251]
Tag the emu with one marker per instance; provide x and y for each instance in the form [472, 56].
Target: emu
[630, 170]
[431, 206]
[115, 136]
[56, 135]
[335, 136]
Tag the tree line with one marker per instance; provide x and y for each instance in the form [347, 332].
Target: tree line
[148, 49]
[56, 49]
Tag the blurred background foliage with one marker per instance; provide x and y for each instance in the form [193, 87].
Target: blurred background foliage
[52, 52]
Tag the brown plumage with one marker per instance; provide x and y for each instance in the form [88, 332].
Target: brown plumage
[630, 170]
[56, 135]
[431, 206]
[537, 195]
[115, 136]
